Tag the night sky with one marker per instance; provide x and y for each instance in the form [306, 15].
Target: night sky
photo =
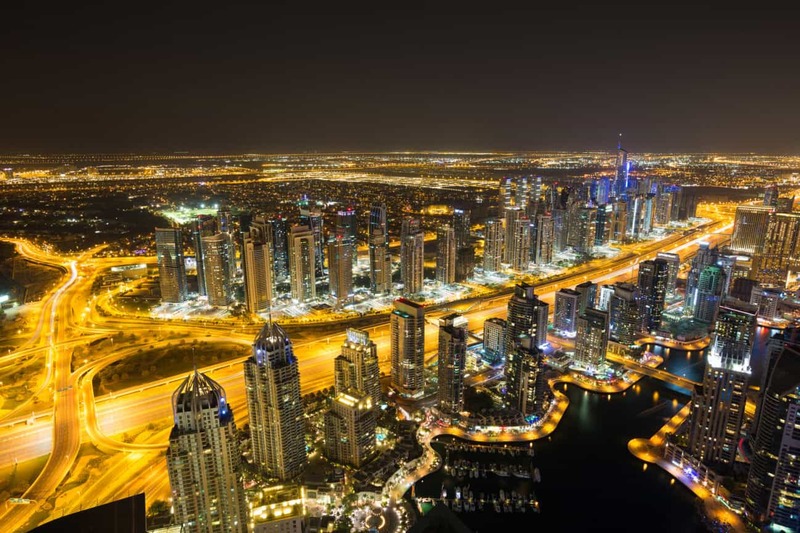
[131, 77]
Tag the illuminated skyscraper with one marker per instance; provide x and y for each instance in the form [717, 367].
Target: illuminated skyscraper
[621, 178]
[527, 315]
[777, 249]
[217, 261]
[673, 266]
[619, 221]
[280, 247]
[588, 295]
[653, 276]
[591, 338]
[718, 407]
[494, 340]
[445, 255]
[380, 264]
[567, 303]
[202, 226]
[346, 224]
[171, 268]
[350, 429]
[357, 366]
[749, 228]
[772, 496]
[522, 244]
[512, 215]
[277, 425]
[582, 230]
[527, 392]
[709, 294]
[412, 250]
[493, 246]
[543, 249]
[771, 195]
[407, 326]
[340, 270]
[203, 459]
[465, 252]
[257, 263]
[452, 361]
[704, 257]
[625, 318]
[311, 217]
[602, 224]
[301, 264]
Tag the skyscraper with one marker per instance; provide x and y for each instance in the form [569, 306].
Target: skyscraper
[718, 407]
[357, 366]
[380, 264]
[567, 303]
[340, 270]
[522, 244]
[445, 255]
[280, 248]
[527, 315]
[465, 252]
[528, 390]
[257, 262]
[704, 257]
[673, 266]
[494, 340]
[591, 338]
[493, 246]
[772, 495]
[653, 276]
[203, 459]
[621, 178]
[588, 295]
[412, 250]
[777, 249]
[407, 326]
[452, 361]
[543, 250]
[625, 319]
[171, 268]
[301, 264]
[582, 229]
[202, 226]
[709, 294]
[350, 429]
[346, 224]
[749, 227]
[512, 215]
[311, 217]
[217, 267]
[602, 224]
[277, 426]
[771, 195]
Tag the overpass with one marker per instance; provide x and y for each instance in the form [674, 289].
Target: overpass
[657, 373]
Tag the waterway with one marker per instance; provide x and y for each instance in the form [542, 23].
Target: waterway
[590, 482]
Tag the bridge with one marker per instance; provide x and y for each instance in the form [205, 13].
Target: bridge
[657, 373]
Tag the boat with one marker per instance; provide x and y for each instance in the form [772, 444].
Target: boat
[496, 506]
[537, 476]
[457, 507]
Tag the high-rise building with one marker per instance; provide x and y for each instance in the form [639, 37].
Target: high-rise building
[619, 221]
[407, 348]
[445, 255]
[771, 195]
[350, 429]
[461, 228]
[602, 224]
[171, 268]
[567, 303]
[311, 217]
[280, 248]
[771, 496]
[749, 227]
[709, 293]
[673, 266]
[653, 276]
[604, 297]
[452, 361]
[778, 247]
[527, 315]
[620, 186]
[521, 253]
[588, 295]
[506, 198]
[766, 300]
[340, 270]
[217, 261]
[465, 263]
[202, 226]
[625, 319]
[346, 224]
[380, 263]
[718, 407]
[357, 366]
[203, 459]
[494, 340]
[528, 391]
[543, 250]
[560, 229]
[493, 246]
[511, 215]
[412, 250]
[301, 264]
[704, 257]
[591, 338]
[663, 214]
[583, 230]
[272, 387]
[257, 263]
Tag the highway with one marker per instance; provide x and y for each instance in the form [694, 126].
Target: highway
[62, 428]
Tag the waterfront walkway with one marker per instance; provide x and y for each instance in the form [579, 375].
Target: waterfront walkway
[657, 373]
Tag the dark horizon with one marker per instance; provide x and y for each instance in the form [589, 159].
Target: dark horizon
[277, 79]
